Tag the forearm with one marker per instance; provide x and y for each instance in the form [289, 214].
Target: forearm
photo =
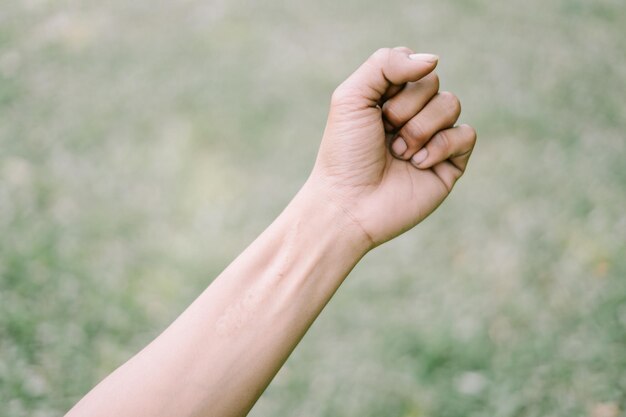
[220, 354]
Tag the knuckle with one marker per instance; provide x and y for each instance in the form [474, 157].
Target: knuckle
[450, 102]
[381, 54]
[433, 79]
[403, 49]
[382, 51]
[413, 131]
[391, 114]
[470, 133]
[436, 81]
[443, 142]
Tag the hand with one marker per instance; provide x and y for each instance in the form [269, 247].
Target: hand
[391, 104]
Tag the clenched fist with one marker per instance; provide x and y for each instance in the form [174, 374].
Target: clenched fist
[391, 152]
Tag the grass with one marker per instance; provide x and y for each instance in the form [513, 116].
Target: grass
[145, 143]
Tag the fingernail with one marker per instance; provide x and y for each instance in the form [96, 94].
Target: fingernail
[424, 57]
[399, 146]
[420, 156]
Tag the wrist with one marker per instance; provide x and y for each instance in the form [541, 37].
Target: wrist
[329, 220]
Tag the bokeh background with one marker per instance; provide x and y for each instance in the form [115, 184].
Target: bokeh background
[145, 143]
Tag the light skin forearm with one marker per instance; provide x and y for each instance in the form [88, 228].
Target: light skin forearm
[233, 339]
[389, 156]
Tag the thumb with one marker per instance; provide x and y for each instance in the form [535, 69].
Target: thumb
[385, 68]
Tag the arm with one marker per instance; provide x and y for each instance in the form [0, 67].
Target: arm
[221, 353]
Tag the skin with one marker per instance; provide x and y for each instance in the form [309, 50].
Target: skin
[389, 156]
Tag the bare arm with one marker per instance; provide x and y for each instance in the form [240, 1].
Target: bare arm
[221, 353]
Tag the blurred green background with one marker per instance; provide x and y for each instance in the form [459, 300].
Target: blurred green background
[145, 143]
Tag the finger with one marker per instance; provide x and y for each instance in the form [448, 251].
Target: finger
[407, 103]
[447, 173]
[386, 67]
[394, 88]
[440, 113]
[455, 144]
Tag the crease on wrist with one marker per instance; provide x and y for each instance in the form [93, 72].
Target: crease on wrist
[329, 198]
[370, 241]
